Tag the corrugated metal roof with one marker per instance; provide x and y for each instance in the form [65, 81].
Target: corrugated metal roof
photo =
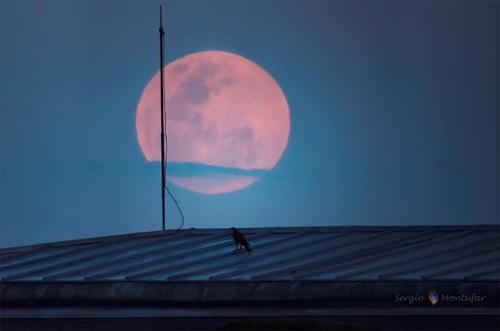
[307, 253]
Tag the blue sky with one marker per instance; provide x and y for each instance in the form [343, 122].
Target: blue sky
[394, 114]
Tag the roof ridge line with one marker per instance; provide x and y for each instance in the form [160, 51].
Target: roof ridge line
[146, 234]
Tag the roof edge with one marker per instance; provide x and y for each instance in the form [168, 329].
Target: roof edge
[244, 292]
[207, 231]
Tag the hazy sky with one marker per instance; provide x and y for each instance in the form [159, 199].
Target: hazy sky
[394, 114]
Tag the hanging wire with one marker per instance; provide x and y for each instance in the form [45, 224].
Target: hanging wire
[166, 154]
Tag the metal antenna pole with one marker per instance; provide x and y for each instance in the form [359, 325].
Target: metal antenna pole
[162, 126]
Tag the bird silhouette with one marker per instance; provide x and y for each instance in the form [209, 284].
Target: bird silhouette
[239, 239]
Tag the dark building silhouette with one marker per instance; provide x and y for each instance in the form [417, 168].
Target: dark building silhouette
[311, 278]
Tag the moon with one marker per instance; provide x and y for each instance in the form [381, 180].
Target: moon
[227, 121]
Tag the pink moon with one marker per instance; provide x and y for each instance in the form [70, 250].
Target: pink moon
[227, 121]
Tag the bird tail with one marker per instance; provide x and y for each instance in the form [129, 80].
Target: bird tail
[247, 246]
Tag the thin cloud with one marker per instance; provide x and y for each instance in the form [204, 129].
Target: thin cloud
[188, 169]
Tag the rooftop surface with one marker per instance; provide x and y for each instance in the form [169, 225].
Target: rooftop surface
[415, 253]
